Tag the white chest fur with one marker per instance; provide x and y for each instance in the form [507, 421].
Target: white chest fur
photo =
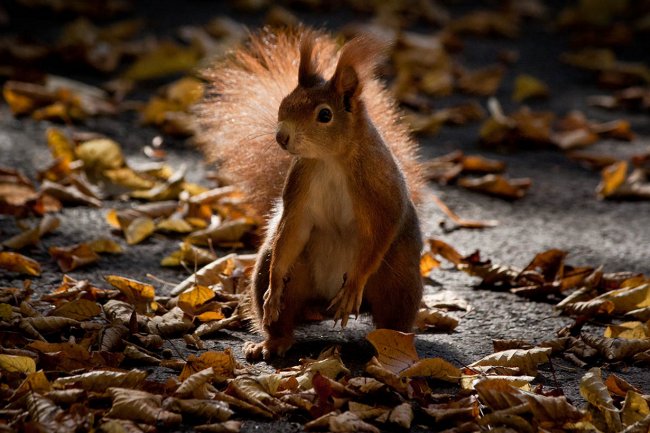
[333, 245]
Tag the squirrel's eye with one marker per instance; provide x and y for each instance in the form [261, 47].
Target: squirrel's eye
[324, 115]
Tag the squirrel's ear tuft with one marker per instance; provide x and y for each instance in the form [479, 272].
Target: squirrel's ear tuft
[357, 63]
[307, 72]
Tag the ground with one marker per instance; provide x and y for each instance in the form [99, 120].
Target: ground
[560, 210]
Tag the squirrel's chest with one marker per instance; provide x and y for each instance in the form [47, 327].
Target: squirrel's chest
[329, 203]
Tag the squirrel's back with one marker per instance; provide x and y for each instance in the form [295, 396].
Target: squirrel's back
[239, 114]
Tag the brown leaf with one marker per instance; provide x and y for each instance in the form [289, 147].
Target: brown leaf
[32, 236]
[222, 363]
[72, 257]
[140, 406]
[484, 81]
[395, 350]
[526, 360]
[100, 380]
[616, 349]
[498, 186]
[14, 262]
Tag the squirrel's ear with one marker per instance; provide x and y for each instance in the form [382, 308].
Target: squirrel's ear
[357, 63]
[307, 73]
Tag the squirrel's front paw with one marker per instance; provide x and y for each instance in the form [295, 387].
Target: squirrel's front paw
[348, 301]
[267, 349]
[272, 305]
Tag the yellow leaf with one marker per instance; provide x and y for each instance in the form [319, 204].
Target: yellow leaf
[167, 58]
[593, 389]
[612, 178]
[5, 312]
[527, 86]
[428, 263]
[78, 309]
[229, 231]
[635, 408]
[18, 103]
[395, 350]
[209, 316]
[127, 178]
[197, 296]
[34, 382]
[103, 245]
[139, 294]
[15, 262]
[100, 154]
[436, 368]
[139, 229]
[60, 145]
[174, 224]
[222, 363]
[21, 364]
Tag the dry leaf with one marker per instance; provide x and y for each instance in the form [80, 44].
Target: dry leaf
[14, 262]
[73, 257]
[498, 186]
[526, 360]
[138, 230]
[139, 294]
[395, 350]
[99, 381]
[140, 406]
[593, 389]
[78, 309]
[528, 87]
[435, 368]
[435, 320]
[166, 59]
[222, 363]
[22, 364]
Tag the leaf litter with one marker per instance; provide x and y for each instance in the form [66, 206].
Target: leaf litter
[81, 353]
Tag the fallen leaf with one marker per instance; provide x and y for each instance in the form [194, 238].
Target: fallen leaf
[528, 87]
[395, 350]
[593, 389]
[498, 186]
[14, 262]
[22, 364]
[526, 360]
[140, 406]
[72, 257]
[434, 368]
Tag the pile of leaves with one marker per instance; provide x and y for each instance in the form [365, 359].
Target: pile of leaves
[77, 359]
[584, 293]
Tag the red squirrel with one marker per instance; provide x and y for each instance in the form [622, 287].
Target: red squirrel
[315, 140]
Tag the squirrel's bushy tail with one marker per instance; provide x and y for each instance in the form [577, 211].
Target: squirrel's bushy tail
[238, 116]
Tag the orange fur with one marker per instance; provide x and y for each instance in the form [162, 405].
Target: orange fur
[239, 114]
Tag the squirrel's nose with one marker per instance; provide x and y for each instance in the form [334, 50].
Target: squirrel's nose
[282, 135]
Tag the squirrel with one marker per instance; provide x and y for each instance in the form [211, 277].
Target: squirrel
[314, 139]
